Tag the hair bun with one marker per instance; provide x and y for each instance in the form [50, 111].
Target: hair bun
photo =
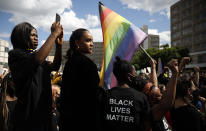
[118, 58]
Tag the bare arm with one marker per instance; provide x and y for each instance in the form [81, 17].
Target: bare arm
[43, 52]
[197, 75]
[58, 53]
[160, 109]
[153, 77]
[184, 61]
[203, 101]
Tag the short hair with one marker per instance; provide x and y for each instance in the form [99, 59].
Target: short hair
[182, 87]
[121, 68]
[20, 36]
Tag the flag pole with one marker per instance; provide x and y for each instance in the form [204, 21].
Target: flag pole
[145, 51]
[100, 3]
[159, 66]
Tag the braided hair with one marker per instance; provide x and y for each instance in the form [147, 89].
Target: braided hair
[20, 36]
[7, 88]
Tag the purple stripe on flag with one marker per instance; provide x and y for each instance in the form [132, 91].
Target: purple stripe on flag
[113, 81]
[119, 52]
[138, 37]
[125, 50]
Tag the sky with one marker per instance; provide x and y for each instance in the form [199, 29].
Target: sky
[84, 14]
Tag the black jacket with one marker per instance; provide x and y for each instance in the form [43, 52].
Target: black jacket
[78, 100]
[33, 110]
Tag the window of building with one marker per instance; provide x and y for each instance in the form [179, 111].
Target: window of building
[187, 31]
[176, 43]
[187, 40]
[204, 15]
[197, 38]
[187, 13]
[204, 4]
[174, 20]
[197, 47]
[174, 27]
[6, 49]
[187, 22]
[202, 58]
[176, 35]
[197, 7]
[188, 3]
[175, 10]
[197, 17]
[197, 27]
[1, 60]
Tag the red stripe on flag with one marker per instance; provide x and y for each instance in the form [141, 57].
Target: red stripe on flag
[105, 13]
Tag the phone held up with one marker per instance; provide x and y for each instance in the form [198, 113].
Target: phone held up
[57, 17]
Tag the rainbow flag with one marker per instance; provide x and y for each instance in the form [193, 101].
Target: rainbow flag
[120, 38]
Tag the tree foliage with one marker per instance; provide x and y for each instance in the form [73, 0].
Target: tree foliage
[140, 60]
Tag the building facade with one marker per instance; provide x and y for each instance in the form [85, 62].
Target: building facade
[65, 47]
[145, 44]
[96, 56]
[188, 29]
[152, 41]
[4, 49]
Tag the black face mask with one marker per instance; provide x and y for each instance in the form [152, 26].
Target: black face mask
[136, 83]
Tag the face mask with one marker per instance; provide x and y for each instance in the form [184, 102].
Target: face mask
[135, 82]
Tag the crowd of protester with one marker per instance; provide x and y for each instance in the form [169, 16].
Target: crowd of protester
[34, 96]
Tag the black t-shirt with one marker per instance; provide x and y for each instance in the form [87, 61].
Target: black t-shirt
[78, 99]
[186, 118]
[33, 89]
[125, 110]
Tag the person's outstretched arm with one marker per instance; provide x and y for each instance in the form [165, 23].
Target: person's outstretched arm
[58, 53]
[197, 76]
[160, 109]
[184, 61]
[43, 52]
[153, 77]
